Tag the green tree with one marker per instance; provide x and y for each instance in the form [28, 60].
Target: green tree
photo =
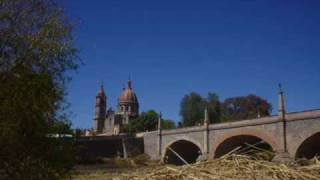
[168, 124]
[192, 108]
[147, 121]
[214, 108]
[36, 51]
[61, 128]
[246, 107]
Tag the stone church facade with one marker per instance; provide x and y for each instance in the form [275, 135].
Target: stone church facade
[108, 121]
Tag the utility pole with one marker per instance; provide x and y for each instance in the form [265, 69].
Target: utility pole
[282, 114]
[159, 134]
[283, 155]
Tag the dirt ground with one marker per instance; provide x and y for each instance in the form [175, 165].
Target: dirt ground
[103, 172]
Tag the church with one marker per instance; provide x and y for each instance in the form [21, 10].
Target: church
[108, 122]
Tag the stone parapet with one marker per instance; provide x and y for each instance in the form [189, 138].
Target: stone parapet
[305, 115]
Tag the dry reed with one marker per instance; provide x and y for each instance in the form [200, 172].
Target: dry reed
[231, 166]
[250, 162]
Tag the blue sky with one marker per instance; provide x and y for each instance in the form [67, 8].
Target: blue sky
[171, 47]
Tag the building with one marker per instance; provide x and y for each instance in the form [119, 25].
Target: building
[109, 122]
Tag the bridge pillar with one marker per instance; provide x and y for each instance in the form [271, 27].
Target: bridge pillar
[206, 123]
[282, 157]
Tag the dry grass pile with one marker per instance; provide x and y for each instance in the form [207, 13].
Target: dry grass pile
[240, 164]
[231, 166]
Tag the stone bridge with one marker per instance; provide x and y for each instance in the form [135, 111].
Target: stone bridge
[289, 135]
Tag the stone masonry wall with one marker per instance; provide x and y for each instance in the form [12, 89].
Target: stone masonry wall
[299, 126]
[108, 146]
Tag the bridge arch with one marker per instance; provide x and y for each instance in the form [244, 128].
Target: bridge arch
[236, 138]
[309, 148]
[188, 149]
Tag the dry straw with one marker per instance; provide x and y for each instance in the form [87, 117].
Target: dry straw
[233, 166]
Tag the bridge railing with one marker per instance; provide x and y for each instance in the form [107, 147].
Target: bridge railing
[304, 115]
[311, 114]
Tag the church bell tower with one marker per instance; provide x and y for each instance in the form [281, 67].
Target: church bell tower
[100, 111]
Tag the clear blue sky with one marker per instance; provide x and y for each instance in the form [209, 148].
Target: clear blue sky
[173, 47]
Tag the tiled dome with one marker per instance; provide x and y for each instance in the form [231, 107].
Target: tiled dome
[128, 96]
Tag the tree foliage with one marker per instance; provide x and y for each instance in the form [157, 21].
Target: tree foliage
[246, 107]
[192, 108]
[168, 124]
[147, 121]
[237, 108]
[36, 50]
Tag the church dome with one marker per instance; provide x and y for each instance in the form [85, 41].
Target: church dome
[128, 96]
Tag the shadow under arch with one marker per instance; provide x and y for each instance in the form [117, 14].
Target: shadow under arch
[246, 144]
[310, 147]
[187, 150]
